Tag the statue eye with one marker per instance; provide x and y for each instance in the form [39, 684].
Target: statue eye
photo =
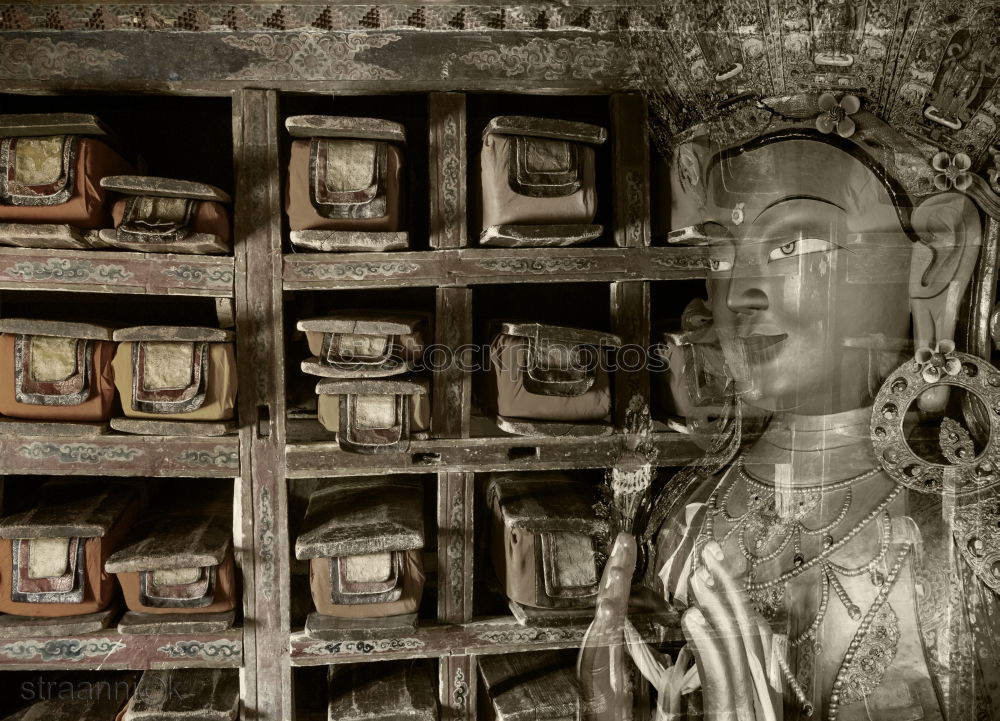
[802, 246]
[718, 265]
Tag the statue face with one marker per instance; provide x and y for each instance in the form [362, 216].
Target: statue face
[809, 269]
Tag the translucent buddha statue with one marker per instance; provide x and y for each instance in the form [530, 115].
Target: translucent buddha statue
[818, 574]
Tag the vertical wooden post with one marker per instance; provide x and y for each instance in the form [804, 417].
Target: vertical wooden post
[457, 688]
[630, 314]
[451, 401]
[260, 330]
[448, 163]
[630, 158]
[457, 674]
[243, 500]
[455, 546]
[630, 299]
[630, 320]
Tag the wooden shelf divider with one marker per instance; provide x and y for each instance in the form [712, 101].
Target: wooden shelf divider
[101, 271]
[110, 650]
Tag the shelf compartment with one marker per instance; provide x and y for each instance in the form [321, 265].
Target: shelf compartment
[110, 650]
[479, 266]
[487, 636]
[94, 271]
[121, 455]
[306, 458]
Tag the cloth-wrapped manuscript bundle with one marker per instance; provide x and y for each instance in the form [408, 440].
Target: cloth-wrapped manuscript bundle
[175, 380]
[363, 540]
[538, 182]
[345, 184]
[162, 215]
[56, 371]
[550, 380]
[52, 555]
[545, 540]
[51, 167]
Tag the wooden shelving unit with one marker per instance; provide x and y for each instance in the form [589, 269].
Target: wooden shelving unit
[226, 56]
[110, 285]
[462, 443]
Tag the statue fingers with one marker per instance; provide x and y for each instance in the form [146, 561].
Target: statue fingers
[745, 616]
[691, 680]
[651, 664]
[766, 637]
[684, 658]
[771, 664]
[746, 620]
[714, 604]
[600, 675]
[717, 689]
[616, 581]
[613, 593]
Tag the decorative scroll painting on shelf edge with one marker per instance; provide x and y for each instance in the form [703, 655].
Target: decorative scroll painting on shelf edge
[271, 43]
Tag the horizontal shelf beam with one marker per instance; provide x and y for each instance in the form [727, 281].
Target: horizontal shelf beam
[480, 266]
[89, 271]
[507, 453]
[219, 52]
[111, 650]
[121, 455]
[482, 637]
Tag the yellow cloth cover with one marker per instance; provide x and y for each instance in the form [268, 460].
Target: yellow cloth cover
[220, 394]
[420, 412]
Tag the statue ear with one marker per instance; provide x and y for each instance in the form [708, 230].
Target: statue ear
[941, 267]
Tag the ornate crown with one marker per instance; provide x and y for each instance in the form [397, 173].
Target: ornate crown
[914, 84]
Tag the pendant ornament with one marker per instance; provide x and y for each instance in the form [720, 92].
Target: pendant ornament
[966, 472]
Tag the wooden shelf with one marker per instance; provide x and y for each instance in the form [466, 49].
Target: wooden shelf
[110, 650]
[121, 455]
[478, 266]
[93, 271]
[306, 457]
[480, 637]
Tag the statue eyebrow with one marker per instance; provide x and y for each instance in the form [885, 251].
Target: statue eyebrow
[798, 197]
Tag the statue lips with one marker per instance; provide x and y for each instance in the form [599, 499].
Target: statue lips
[758, 342]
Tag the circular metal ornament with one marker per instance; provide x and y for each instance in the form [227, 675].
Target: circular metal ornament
[968, 473]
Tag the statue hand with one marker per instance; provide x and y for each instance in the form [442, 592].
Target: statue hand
[671, 680]
[731, 643]
[599, 665]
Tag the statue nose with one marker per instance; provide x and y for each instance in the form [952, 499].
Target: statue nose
[746, 297]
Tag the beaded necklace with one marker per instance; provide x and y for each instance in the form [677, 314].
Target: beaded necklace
[761, 522]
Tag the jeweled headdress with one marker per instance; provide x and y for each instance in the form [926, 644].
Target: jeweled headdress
[911, 85]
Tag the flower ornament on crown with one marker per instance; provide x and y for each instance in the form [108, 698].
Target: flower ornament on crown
[939, 361]
[953, 171]
[836, 116]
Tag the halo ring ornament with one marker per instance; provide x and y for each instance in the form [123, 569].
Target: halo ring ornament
[968, 473]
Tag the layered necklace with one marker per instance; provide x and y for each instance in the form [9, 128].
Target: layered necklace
[774, 519]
